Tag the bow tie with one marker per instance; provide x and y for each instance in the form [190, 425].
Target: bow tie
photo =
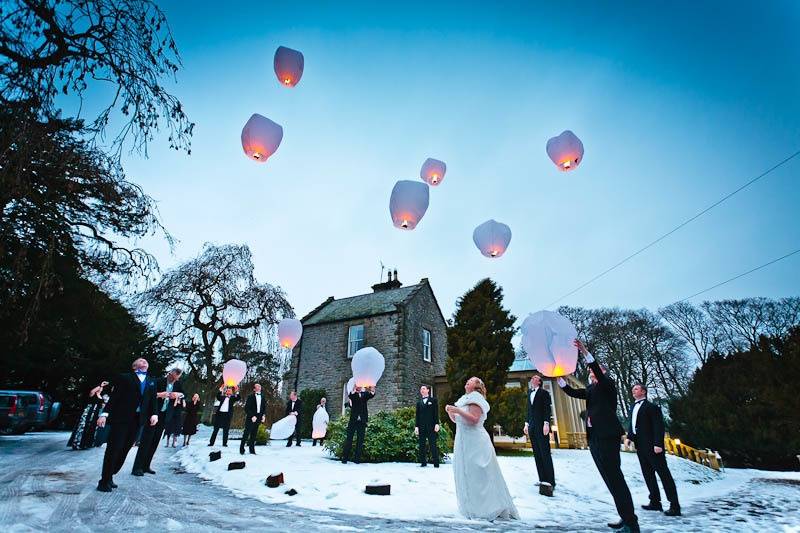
[141, 372]
[639, 401]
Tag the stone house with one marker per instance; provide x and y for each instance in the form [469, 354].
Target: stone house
[405, 324]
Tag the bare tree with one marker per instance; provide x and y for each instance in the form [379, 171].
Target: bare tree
[694, 326]
[203, 303]
[742, 322]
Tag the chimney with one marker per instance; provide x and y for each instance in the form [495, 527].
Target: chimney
[388, 285]
[390, 275]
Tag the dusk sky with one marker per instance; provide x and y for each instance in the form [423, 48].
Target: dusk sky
[677, 104]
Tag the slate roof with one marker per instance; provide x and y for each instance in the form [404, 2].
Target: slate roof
[375, 303]
[521, 364]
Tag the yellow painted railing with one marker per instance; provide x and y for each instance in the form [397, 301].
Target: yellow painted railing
[706, 458]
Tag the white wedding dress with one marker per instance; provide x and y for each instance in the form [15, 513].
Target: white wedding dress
[480, 487]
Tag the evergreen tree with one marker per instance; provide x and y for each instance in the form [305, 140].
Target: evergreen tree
[479, 341]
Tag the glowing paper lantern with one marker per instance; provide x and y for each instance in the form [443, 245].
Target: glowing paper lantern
[408, 203]
[283, 428]
[548, 338]
[320, 424]
[566, 150]
[233, 372]
[432, 171]
[288, 66]
[368, 365]
[351, 385]
[289, 332]
[492, 238]
[261, 138]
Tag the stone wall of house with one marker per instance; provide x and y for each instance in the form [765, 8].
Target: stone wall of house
[421, 312]
[323, 361]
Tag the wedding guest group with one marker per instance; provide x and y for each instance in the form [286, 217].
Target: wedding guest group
[426, 427]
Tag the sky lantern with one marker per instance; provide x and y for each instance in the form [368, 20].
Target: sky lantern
[351, 385]
[233, 372]
[408, 203]
[261, 138]
[288, 66]
[283, 428]
[289, 332]
[368, 365]
[548, 338]
[432, 171]
[566, 150]
[319, 423]
[492, 238]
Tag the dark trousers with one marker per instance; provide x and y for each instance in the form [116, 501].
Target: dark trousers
[121, 436]
[151, 437]
[605, 453]
[541, 454]
[221, 420]
[296, 434]
[427, 437]
[358, 428]
[321, 441]
[250, 433]
[651, 464]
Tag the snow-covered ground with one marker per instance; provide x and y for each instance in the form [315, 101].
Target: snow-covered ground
[427, 493]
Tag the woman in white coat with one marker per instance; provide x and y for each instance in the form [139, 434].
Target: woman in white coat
[480, 487]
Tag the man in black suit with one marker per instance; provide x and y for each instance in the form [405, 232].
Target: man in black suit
[646, 424]
[294, 407]
[168, 389]
[426, 427]
[358, 421]
[255, 409]
[537, 428]
[227, 396]
[604, 431]
[132, 402]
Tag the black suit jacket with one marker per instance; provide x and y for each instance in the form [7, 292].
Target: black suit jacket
[358, 406]
[161, 386]
[649, 426]
[298, 407]
[127, 396]
[601, 405]
[250, 406]
[427, 415]
[540, 411]
[233, 399]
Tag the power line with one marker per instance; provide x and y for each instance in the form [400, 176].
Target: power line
[676, 228]
[741, 275]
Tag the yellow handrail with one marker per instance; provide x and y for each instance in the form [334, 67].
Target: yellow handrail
[706, 458]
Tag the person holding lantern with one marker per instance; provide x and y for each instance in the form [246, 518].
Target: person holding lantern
[226, 397]
[294, 407]
[426, 426]
[358, 421]
[255, 409]
[604, 432]
[83, 436]
[320, 423]
[537, 428]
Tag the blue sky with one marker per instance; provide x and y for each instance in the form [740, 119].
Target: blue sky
[676, 103]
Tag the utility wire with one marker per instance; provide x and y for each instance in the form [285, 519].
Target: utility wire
[741, 275]
[676, 228]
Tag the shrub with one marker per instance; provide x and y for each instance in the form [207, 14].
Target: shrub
[310, 399]
[510, 411]
[262, 437]
[389, 438]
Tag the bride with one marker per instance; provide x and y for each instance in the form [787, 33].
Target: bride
[480, 487]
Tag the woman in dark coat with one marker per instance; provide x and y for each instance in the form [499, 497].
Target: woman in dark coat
[193, 409]
[82, 436]
[174, 422]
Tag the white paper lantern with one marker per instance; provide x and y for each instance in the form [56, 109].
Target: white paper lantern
[566, 150]
[283, 428]
[432, 171]
[492, 238]
[288, 66]
[548, 338]
[289, 332]
[261, 138]
[351, 385]
[233, 372]
[408, 203]
[368, 365]
[320, 424]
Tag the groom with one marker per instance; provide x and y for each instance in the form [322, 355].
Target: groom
[426, 427]
[537, 428]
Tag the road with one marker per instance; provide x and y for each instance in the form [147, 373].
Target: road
[46, 487]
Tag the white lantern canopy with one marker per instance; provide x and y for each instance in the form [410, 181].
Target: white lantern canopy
[351, 385]
[492, 238]
[261, 138]
[319, 423]
[289, 332]
[283, 428]
[566, 150]
[432, 171]
[368, 365]
[288, 66]
[233, 372]
[408, 203]
[548, 338]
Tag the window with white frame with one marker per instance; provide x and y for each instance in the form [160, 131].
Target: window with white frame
[355, 339]
[426, 345]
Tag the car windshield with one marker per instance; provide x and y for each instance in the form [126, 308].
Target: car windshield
[7, 401]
